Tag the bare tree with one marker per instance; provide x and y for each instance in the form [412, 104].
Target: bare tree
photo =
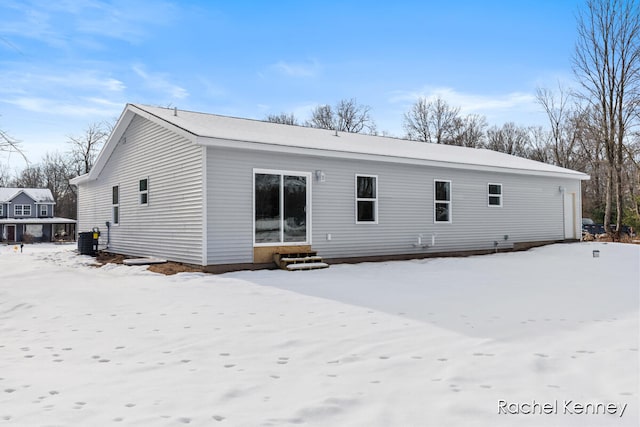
[509, 139]
[85, 148]
[5, 176]
[469, 131]
[607, 65]
[10, 145]
[431, 121]
[539, 145]
[564, 143]
[30, 177]
[346, 116]
[282, 118]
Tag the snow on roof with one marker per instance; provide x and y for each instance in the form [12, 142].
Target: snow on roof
[55, 220]
[217, 127]
[38, 195]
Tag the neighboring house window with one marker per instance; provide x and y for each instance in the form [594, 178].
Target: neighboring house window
[366, 199]
[115, 201]
[281, 201]
[1, 209]
[43, 210]
[22, 210]
[143, 188]
[442, 201]
[495, 195]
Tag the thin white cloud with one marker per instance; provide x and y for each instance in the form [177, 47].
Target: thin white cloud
[301, 69]
[512, 106]
[160, 82]
[57, 23]
[89, 108]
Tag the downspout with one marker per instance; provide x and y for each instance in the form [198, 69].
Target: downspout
[108, 224]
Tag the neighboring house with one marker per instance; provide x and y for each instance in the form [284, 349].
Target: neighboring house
[27, 215]
[227, 193]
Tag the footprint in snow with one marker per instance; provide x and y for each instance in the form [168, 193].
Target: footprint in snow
[230, 365]
[118, 419]
[184, 420]
[442, 359]
[218, 418]
[9, 390]
[553, 386]
[486, 385]
[130, 405]
[104, 360]
[541, 355]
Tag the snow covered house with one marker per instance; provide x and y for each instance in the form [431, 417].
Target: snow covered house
[228, 193]
[27, 214]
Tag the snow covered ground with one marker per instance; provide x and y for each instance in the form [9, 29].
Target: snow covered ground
[439, 342]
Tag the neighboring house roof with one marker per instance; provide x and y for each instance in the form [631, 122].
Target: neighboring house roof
[38, 195]
[37, 221]
[214, 130]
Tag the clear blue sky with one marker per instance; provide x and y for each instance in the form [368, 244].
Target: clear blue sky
[66, 64]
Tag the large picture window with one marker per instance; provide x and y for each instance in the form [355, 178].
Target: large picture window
[280, 206]
[366, 199]
[495, 195]
[442, 201]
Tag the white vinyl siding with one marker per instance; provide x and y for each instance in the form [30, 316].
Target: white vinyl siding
[533, 213]
[172, 226]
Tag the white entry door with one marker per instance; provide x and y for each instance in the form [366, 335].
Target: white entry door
[570, 216]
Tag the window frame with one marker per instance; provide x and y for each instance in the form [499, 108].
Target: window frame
[115, 205]
[1, 209]
[46, 210]
[367, 199]
[23, 210]
[144, 193]
[282, 173]
[447, 202]
[490, 195]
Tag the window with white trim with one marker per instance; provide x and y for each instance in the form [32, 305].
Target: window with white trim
[442, 201]
[366, 199]
[22, 210]
[115, 202]
[281, 202]
[1, 209]
[43, 210]
[495, 195]
[143, 189]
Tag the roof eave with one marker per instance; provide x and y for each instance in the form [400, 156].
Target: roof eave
[260, 146]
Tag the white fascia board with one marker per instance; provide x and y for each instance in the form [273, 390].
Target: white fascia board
[258, 146]
[161, 122]
[80, 179]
